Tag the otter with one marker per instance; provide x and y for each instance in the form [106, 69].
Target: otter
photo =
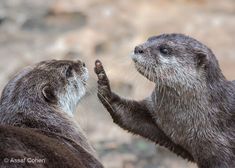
[191, 111]
[36, 117]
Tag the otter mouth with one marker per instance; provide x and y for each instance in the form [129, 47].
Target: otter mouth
[136, 58]
[142, 67]
[145, 71]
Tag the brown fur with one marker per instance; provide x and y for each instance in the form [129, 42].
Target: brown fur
[192, 108]
[41, 100]
[54, 150]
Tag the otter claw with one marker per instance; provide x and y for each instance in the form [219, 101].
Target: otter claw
[98, 67]
[98, 63]
[99, 70]
[103, 81]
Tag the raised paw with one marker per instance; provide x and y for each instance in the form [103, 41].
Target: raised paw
[104, 91]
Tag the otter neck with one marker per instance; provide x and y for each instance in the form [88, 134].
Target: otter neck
[179, 95]
[193, 112]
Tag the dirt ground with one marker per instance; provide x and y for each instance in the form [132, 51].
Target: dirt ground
[32, 31]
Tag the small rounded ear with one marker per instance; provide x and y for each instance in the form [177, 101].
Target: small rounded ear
[202, 59]
[48, 93]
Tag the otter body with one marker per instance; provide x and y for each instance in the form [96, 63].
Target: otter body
[192, 108]
[39, 103]
[26, 147]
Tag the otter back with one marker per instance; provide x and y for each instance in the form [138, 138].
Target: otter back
[22, 147]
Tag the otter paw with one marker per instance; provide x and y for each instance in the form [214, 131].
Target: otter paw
[104, 91]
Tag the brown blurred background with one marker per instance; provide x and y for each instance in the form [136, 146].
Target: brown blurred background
[35, 30]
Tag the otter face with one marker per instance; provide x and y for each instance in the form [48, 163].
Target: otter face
[71, 78]
[56, 83]
[171, 59]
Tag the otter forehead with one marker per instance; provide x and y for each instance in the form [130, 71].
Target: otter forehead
[50, 71]
[57, 64]
[175, 39]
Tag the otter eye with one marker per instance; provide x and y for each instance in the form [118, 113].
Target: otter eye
[164, 50]
[69, 72]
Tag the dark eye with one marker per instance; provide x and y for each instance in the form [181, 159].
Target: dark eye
[164, 50]
[69, 72]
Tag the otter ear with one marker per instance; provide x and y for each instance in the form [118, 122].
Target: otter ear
[202, 59]
[49, 94]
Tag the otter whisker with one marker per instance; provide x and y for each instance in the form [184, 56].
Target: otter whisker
[91, 91]
[106, 101]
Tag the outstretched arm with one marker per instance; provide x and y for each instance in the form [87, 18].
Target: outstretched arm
[133, 116]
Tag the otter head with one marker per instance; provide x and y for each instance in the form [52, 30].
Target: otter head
[57, 83]
[175, 60]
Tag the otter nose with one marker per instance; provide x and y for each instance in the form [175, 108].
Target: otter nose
[81, 63]
[138, 50]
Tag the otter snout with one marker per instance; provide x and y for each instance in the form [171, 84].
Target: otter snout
[80, 63]
[139, 54]
[139, 50]
[80, 66]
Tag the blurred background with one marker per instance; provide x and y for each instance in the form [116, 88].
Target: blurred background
[32, 31]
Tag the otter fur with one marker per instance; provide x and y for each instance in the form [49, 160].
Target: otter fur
[36, 117]
[191, 111]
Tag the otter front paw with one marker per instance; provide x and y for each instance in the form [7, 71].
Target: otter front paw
[104, 91]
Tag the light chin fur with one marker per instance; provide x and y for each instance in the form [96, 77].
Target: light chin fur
[68, 102]
[179, 77]
[142, 67]
[138, 58]
[85, 75]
